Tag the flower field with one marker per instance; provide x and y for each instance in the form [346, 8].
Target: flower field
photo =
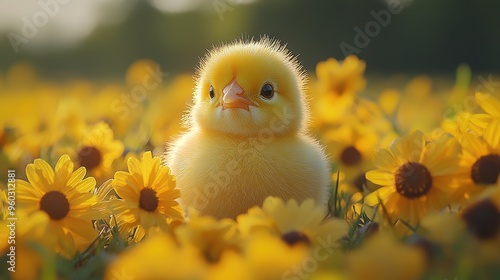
[415, 188]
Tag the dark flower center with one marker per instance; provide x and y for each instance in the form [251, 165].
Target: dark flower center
[148, 200]
[294, 237]
[350, 156]
[483, 219]
[413, 180]
[89, 157]
[55, 204]
[486, 169]
[339, 88]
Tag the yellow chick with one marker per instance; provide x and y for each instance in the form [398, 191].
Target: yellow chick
[247, 134]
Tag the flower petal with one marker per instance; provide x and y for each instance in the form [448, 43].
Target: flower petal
[381, 178]
[492, 134]
[380, 194]
[489, 103]
[385, 160]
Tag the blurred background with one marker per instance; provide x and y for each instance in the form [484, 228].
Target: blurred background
[99, 39]
[129, 65]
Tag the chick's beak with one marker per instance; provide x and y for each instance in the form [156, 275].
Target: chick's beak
[234, 97]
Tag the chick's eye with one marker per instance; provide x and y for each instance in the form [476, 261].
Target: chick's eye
[267, 91]
[212, 92]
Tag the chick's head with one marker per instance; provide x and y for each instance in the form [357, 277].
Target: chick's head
[250, 88]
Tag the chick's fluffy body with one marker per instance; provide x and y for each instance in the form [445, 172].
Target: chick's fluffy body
[231, 158]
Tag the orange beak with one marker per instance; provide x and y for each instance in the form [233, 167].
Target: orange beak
[234, 97]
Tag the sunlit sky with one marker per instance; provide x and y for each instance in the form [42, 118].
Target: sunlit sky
[62, 23]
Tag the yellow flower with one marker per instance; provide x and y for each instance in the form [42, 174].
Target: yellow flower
[371, 115]
[157, 257]
[480, 163]
[264, 258]
[470, 238]
[351, 145]
[333, 96]
[30, 128]
[389, 100]
[464, 121]
[491, 106]
[341, 77]
[351, 148]
[405, 107]
[66, 198]
[331, 109]
[115, 105]
[140, 72]
[292, 222]
[445, 228]
[482, 219]
[97, 151]
[383, 257]
[482, 216]
[148, 196]
[459, 124]
[210, 236]
[417, 177]
[177, 96]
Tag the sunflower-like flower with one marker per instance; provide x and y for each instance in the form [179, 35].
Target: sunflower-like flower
[482, 216]
[482, 219]
[480, 163]
[212, 237]
[148, 197]
[418, 94]
[335, 91]
[265, 257]
[351, 148]
[97, 151]
[66, 198]
[176, 96]
[293, 222]
[140, 72]
[416, 177]
[470, 237]
[464, 121]
[340, 77]
[157, 257]
[459, 124]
